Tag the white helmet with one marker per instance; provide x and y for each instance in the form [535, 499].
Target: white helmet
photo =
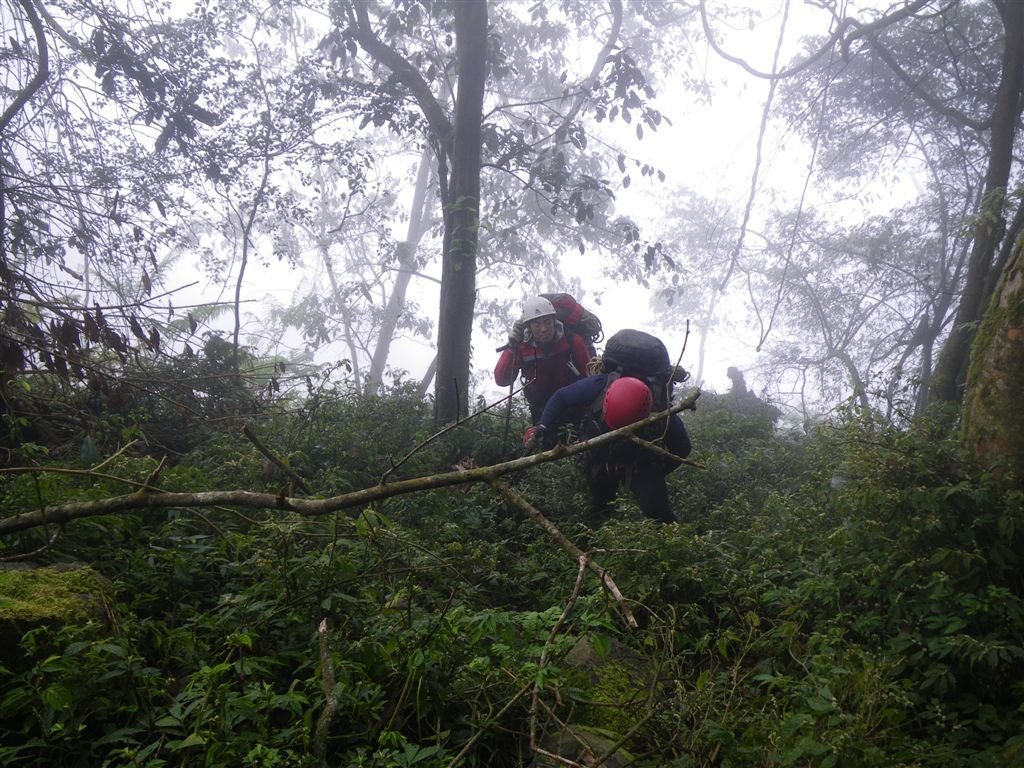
[536, 308]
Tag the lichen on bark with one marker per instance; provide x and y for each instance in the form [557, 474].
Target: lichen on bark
[993, 418]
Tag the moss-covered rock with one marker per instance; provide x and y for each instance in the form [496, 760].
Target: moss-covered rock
[50, 595]
[607, 687]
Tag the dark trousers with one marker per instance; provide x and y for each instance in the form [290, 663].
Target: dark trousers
[645, 480]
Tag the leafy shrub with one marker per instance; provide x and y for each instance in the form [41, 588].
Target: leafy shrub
[848, 597]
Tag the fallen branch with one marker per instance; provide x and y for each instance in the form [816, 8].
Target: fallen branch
[323, 723]
[149, 498]
[443, 431]
[606, 580]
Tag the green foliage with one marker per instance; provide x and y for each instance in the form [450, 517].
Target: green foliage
[851, 597]
[743, 456]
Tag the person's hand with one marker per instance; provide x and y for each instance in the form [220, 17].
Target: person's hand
[533, 435]
[515, 336]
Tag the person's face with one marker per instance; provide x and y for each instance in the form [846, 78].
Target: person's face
[543, 329]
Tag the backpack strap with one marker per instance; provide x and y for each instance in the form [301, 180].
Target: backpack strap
[536, 355]
[569, 336]
[597, 404]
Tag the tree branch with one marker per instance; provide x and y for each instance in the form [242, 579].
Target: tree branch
[150, 499]
[406, 74]
[323, 723]
[42, 72]
[872, 28]
[276, 460]
[928, 98]
[825, 48]
[599, 61]
[582, 557]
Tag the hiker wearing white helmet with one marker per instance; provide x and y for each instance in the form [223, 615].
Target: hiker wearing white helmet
[546, 355]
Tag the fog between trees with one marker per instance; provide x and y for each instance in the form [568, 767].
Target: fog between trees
[375, 148]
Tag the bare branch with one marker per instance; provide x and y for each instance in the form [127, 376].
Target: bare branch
[42, 71]
[277, 460]
[825, 48]
[152, 499]
[582, 557]
[874, 27]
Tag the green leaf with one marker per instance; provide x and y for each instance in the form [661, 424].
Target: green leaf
[240, 640]
[113, 649]
[820, 705]
[57, 696]
[602, 645]
[192, 740]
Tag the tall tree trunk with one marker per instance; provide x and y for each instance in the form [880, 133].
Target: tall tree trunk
[921, 401]
[951, 367]
[405, 252]
[347, 320]
[993, 420]
[461, 217]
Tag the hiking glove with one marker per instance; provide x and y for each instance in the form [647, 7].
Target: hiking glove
[533, 435]
[515, 336]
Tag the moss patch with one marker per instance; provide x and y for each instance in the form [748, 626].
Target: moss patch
[40, 594]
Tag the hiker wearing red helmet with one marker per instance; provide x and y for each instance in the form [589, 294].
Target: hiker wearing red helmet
[609, 401]
[548, 356]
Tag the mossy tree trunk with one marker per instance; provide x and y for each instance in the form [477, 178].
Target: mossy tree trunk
[990, 227]
[993, 418]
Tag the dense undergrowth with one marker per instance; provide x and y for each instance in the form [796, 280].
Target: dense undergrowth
[849, 597]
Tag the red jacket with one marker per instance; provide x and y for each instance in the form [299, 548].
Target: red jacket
[544, 370]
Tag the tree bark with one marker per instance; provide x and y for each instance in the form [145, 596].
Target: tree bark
[461, 217]
[993, 419]
[951, 367]
[396, 301]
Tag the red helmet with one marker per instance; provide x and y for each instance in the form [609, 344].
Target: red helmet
[626, 401]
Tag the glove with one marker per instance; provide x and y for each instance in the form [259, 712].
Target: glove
[533, 435]
[515, 336]
[679, 374]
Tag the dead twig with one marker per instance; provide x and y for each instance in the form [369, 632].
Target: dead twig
[534, 514]
[654, 448]
[675, 371]
[545, 653]
[36, 552]
[458, 423]
[323, 723]
[276, 460]
[476, 736]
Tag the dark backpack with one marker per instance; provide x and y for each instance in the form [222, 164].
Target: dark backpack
[577, 319]
[638, 354]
